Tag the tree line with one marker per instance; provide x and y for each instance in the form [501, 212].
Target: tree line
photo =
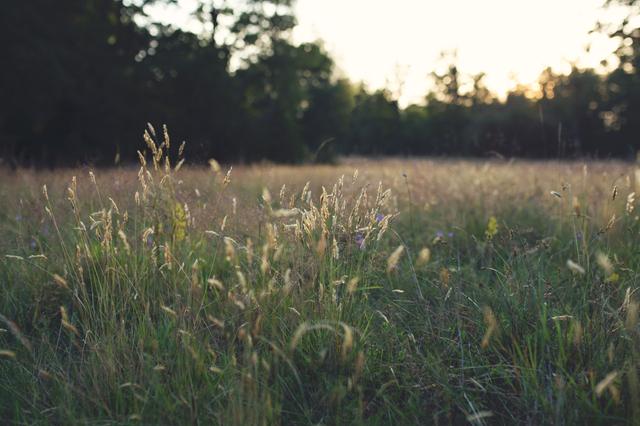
[81, 78]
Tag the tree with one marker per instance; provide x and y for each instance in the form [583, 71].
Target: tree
[375, 124]
[190, 88]
[283, 90]
[260, 23]
[623, 84]
[72, 78]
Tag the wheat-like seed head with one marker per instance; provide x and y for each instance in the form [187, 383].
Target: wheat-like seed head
[605, 383]
[347, 341]
[574, 267]
[264, 263]
[423, 257]
[5, 353]
[65, 322]
[492, 325]
[214, 166]
[394, 258]
[227, 178]
[60, 281]
[631, 199]
[604, 262]
[352, 285]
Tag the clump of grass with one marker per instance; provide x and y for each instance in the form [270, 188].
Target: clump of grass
[176, 294]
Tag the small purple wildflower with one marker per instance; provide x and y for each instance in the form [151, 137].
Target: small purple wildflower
[579, 236]
[150, 241]
[450, 234]
[379, 217]
[360, 240]
[18, 218]
[33, 244]
[439, 234]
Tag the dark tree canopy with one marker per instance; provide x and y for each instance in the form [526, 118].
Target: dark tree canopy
[82, 78]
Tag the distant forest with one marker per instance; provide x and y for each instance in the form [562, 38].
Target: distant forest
[81, 79]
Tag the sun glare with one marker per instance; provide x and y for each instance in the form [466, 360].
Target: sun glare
[397, 44]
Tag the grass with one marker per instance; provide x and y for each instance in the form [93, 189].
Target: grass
[410, 292]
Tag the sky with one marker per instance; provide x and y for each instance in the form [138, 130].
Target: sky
[397, 43]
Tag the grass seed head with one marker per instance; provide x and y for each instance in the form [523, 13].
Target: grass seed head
[125, 242]
[631, 199]
[575, 268]
[604, 262]
[66, 323]
[266, 196]
[576, 206]
[45, 375]
[423, 257]
[478, 417]
[15, 330]
[352, 285]
[631, 322]
[605, 383]
[492, 325]
[394, 258]
[347, 341]
[214, 166]
[242, 281]
[445, 277]
[321, 246]
[335, 252]
[288, 283]
[216, 283]
[577, 333]
[168, 311]
[5, 353]
[227, 178]
[60, 281]
[264, 262]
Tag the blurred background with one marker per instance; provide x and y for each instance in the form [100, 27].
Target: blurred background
[252, 80]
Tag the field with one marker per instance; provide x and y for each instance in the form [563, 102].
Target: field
[381, 292]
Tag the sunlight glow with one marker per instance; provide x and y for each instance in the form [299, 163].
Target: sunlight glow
[397, 43]
[384, 42]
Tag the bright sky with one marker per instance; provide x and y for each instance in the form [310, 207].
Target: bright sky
[377, 40]
[385, 42]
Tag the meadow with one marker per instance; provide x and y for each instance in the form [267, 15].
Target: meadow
[397, 291]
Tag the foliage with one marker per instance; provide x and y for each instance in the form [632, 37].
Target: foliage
[84, 75]
[470, 292]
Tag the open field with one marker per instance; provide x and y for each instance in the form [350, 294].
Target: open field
[410, 292]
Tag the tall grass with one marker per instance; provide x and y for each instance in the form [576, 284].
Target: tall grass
[468, 293]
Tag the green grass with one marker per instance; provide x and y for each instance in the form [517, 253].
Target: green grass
[185, 326]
